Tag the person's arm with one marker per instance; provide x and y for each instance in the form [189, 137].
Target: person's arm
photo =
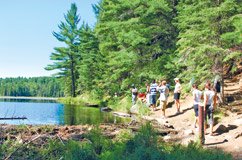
[205, 100]
[193, 96]
[148, 88]
[179, 89]
[214, 101]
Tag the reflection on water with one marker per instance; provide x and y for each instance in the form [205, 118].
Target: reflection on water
[49, 112]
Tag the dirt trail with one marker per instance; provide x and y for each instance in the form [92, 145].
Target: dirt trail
[228, 128]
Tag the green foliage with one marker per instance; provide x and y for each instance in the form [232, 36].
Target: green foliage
[122, 104]
[205, 32]
[76, 151]
[90, 98]
[195, 151]
[99, 142]
[136, 38]
[32, 87]
[137, 41]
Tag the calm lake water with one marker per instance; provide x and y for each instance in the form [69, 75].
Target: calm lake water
[40, 112]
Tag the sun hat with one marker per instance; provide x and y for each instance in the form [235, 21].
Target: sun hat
[176, 79]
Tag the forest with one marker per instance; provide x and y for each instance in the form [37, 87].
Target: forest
[31, 87]
[136, 41]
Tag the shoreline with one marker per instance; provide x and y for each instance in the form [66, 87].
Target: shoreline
[29, 98]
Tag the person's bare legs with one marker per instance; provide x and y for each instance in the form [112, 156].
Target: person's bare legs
[177, 105]
[196, 122]
[211, 130]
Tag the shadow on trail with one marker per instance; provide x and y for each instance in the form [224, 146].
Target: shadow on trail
[170, 104]
[210, 144]
[184, 111]
[221, 130]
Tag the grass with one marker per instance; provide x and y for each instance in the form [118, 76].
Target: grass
[85, 98]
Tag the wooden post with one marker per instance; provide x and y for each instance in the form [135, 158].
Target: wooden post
[201, 124]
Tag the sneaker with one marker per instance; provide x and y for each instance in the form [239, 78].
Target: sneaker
[178, 112]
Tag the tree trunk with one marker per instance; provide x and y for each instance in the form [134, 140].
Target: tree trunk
[73, 83]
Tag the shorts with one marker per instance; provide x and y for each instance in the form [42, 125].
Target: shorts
[209, 114]
[163, 105]
[177, 96]
[195, 106]
[152, 99]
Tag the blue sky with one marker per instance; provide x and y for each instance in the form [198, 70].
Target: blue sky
[26, 39]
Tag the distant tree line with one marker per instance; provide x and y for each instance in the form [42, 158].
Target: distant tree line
[37, 87]
[136, 41]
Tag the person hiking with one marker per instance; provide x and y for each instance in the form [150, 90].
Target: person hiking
[217, 87]
[134, 92]
[164, 91]
[153, 91]
[196, 94]
[147, 94]
[210, 104]
[177, 93]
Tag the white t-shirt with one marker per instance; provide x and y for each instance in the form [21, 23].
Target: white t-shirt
[164, 91]
[153, 88]
[177, 88]
[210, 95]
[197, 94]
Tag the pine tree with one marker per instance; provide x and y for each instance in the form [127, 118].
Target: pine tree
[134, 37]
[90, 67]
[66, 58]
[204, 28]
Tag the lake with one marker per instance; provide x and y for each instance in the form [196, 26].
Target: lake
[42, 112]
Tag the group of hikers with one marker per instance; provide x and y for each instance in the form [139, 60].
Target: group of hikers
[211, 94]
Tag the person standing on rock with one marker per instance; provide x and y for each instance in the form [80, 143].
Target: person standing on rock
[134, 92]
[177, 93]
[153, 91]
[210, 104]
[164, 92]
[196, 94]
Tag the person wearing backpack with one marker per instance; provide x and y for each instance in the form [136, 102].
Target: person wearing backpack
[164, 92]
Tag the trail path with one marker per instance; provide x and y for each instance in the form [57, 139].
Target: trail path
[228, 128]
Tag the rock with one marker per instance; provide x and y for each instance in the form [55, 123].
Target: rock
[221, 129]
[161, 120]
[238, 122]
[105, 109]
[167, 137]
[187, 141]
[134, 109]
[169, 126]
[149, 118]
[188, 132]
[240, 84]
[120, 114]
[76, 137]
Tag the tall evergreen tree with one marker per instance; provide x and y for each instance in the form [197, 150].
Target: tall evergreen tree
[66, 58]
[205, 32]
[133, 36]
[90, 67]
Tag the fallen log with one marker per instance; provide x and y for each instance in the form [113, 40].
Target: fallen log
[13, 118]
